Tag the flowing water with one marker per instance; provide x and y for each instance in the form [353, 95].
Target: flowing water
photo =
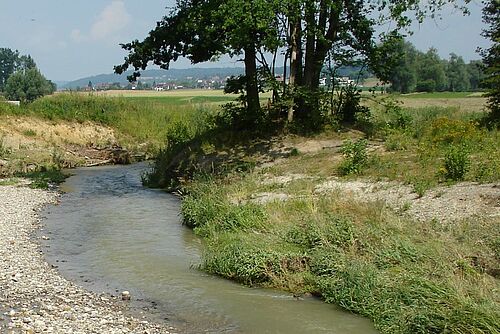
[111, 234]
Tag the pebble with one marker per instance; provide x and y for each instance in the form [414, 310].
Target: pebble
[34, 298]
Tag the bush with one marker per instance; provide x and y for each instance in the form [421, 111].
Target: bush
[456, 163]
[349, 108]
[453, 131]
[355, 156]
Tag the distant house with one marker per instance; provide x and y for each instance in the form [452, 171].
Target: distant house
[16, 103]
[162, 86]
[345, 81]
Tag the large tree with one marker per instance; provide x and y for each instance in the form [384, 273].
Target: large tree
[491, 58]
[28, 85]
[402, 75]
[203, 30]
[308, 30]
[8, 65]
[10, 62]
[457, 74]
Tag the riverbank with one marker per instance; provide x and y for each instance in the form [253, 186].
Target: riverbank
[34, 298]
[398, 222]
[70, 130]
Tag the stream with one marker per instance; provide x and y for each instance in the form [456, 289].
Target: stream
[109, 234]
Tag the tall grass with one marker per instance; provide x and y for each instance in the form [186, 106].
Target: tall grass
[137, 120]
[406, 277]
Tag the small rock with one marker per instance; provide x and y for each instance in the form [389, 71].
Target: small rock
[125, 295]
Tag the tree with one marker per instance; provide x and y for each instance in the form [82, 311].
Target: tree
[25, 63]
[308, 30]
[402, 75]
[28, 85]
[491, 59]
[8, 64]
[430, 72]
[475, 71]
[457, 74]
[202, 30]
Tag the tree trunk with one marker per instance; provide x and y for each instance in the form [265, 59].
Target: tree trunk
[310, 21]
[253, 103]
[295, 59]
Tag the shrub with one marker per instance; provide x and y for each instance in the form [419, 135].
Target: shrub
[456, 163]
[453, 131]
[355, 156]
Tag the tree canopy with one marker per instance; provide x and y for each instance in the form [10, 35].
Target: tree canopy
[28, 85]
[305, 32]
[414, 70]
[491, 58]
[20, 78]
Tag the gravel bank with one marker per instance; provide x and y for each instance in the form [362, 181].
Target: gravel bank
[33, 297]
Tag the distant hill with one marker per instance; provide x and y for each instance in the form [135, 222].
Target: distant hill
[179, 75]
[156, 75]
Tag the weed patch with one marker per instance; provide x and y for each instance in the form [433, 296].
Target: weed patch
[355, 157]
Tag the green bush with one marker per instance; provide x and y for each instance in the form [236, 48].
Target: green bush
[355, 156]
[456, 163]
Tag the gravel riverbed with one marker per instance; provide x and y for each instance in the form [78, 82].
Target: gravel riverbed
[34, 298]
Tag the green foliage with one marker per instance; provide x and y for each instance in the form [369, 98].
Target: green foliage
[456, 163]
[349, 107]
[251, 262]
[44, 178]
[207, 209]
[457, 74]
[10, 62]
[355, 156]
[28, 85]
[137, 121]
[170, 162]
[205, 30]
[406, 277]
[491, 58]
[414, 70]
[29, 133]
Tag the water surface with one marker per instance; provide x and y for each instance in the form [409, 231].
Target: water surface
[111, 234]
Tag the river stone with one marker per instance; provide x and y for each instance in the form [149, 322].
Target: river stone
[125, 295]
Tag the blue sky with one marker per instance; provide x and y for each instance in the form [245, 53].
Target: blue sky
[73, 39]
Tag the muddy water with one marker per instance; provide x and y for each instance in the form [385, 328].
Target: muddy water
[111, 234]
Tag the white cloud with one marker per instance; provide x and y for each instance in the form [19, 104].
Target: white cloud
[113, 19]
[110, 21]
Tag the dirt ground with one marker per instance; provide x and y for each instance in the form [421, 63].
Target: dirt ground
[28, 143]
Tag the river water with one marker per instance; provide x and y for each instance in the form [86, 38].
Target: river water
[109, 233]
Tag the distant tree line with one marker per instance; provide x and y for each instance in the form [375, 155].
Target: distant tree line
[417, 71]
[20, 79]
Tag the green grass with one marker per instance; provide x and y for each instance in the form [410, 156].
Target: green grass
[440, 95]
[9, 182]
[137, 120]
[406, 277]
[44, 178]
[182, 100]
